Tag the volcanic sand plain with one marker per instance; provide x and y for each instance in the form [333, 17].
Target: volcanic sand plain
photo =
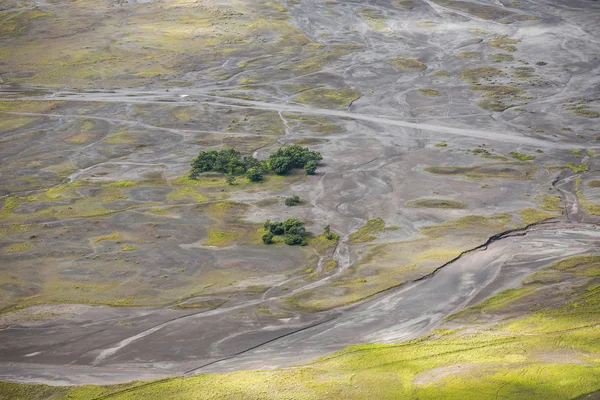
[460, 144]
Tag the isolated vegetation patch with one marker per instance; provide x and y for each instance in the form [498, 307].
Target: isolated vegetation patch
[408, 64]
[436, 203]
[329, 98]
[500, 170]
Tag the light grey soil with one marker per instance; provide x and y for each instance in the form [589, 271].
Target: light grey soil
[375, 162]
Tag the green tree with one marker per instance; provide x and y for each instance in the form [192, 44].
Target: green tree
[254, 174]
[294, 226]
[327, 232]
[294, 156]
[280, 165]
[267, 238]
[292, 240]
[230, 179]
[310, 167]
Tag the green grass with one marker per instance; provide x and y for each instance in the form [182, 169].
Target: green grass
[436, 203]
[516, 360]
[441, 144]
[500, 57]
[504, 43]
[407, 64]
[469, 54]
[551, 203]
[578, 168]
[429, 92]
[331, 98]
[368, 231]
[497, 302]
[477, 73]
[531, 216]
[521, 156]
[500, 170]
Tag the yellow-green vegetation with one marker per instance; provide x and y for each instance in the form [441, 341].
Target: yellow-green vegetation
[436, 203]
[594, 183]
[548, 352]
[77, 53]
[500, 57]
[312, 123]
[122, 184]
[442, 74]
[209, 304]
[17, 248]
[588, 265]
[581, 108]
[368, 231]
[391, 264]
[408, 64]
[187, 192]
[523, 72]
[441, 144]
[551, 203]
[477, 73]
[577, 168]
[532, 215]
[504, 43]
[469, 54]
[322, 243]
[403, 4]
[495, 97]
[329, 98]
[500, 170]
[497, 302]
[473, 223]
[9, 204]
[330, 265]
[14, 229]
[110, 236]
[219, 239]
[429, 92]
[373, 18]
[426, 24]
[228, 226]
[521, 156]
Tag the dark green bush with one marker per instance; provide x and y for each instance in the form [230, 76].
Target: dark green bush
[267, 238]
[292, 201]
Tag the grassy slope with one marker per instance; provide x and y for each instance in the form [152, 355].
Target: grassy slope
[550, 353]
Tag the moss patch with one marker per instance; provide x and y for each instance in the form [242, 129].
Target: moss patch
[501, 170]
[429, 92]
[329, 98]
[436, 203]
[408, 64]
[368, 231]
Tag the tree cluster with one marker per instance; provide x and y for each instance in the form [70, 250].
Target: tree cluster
[292, 229]
[230, 162]
[289, 157]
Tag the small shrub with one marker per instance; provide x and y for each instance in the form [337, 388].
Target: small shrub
[292, 201]
[254, 174]
[267, 238]
[310, 168]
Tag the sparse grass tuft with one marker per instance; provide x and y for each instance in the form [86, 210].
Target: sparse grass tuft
[408, 64]
[521, 156]
[367, 232]
[429, 92]
[436, 203]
